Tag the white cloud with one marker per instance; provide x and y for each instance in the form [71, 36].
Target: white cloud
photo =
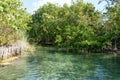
[39, 3]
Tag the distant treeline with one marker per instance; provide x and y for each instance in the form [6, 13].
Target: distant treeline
[77, 27]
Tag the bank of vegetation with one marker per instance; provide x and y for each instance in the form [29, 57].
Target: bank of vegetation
[77, 27]
[13, 26]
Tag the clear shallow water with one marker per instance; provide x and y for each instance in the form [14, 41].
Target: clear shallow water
[47, 64]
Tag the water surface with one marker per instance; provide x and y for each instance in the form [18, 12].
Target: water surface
[48, 64]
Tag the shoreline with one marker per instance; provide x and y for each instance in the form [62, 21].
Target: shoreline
[13, 50]
[8, 61]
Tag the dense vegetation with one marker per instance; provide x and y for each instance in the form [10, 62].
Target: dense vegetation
[77, 27]
[13, 20]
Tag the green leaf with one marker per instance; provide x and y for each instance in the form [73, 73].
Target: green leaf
[1, 9]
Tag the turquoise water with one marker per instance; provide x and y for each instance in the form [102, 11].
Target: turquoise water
[48, 64]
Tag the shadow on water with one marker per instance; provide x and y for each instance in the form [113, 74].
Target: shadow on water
[49, 64]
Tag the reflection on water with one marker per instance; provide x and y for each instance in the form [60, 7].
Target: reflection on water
[48, 64]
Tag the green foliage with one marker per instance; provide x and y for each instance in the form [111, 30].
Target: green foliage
[112, 23]
[12, 19]
[77, 26]
[67, 26]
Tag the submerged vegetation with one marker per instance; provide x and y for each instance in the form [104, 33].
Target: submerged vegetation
[47, 64]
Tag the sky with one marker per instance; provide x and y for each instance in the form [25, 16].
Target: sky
[32, 5]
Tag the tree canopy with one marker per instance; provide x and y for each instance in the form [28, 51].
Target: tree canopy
[13, 18]
[78, 26]
[74, 27]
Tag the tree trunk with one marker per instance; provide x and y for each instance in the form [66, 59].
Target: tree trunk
[115, 47]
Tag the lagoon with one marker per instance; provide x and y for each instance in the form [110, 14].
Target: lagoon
[46, 63]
